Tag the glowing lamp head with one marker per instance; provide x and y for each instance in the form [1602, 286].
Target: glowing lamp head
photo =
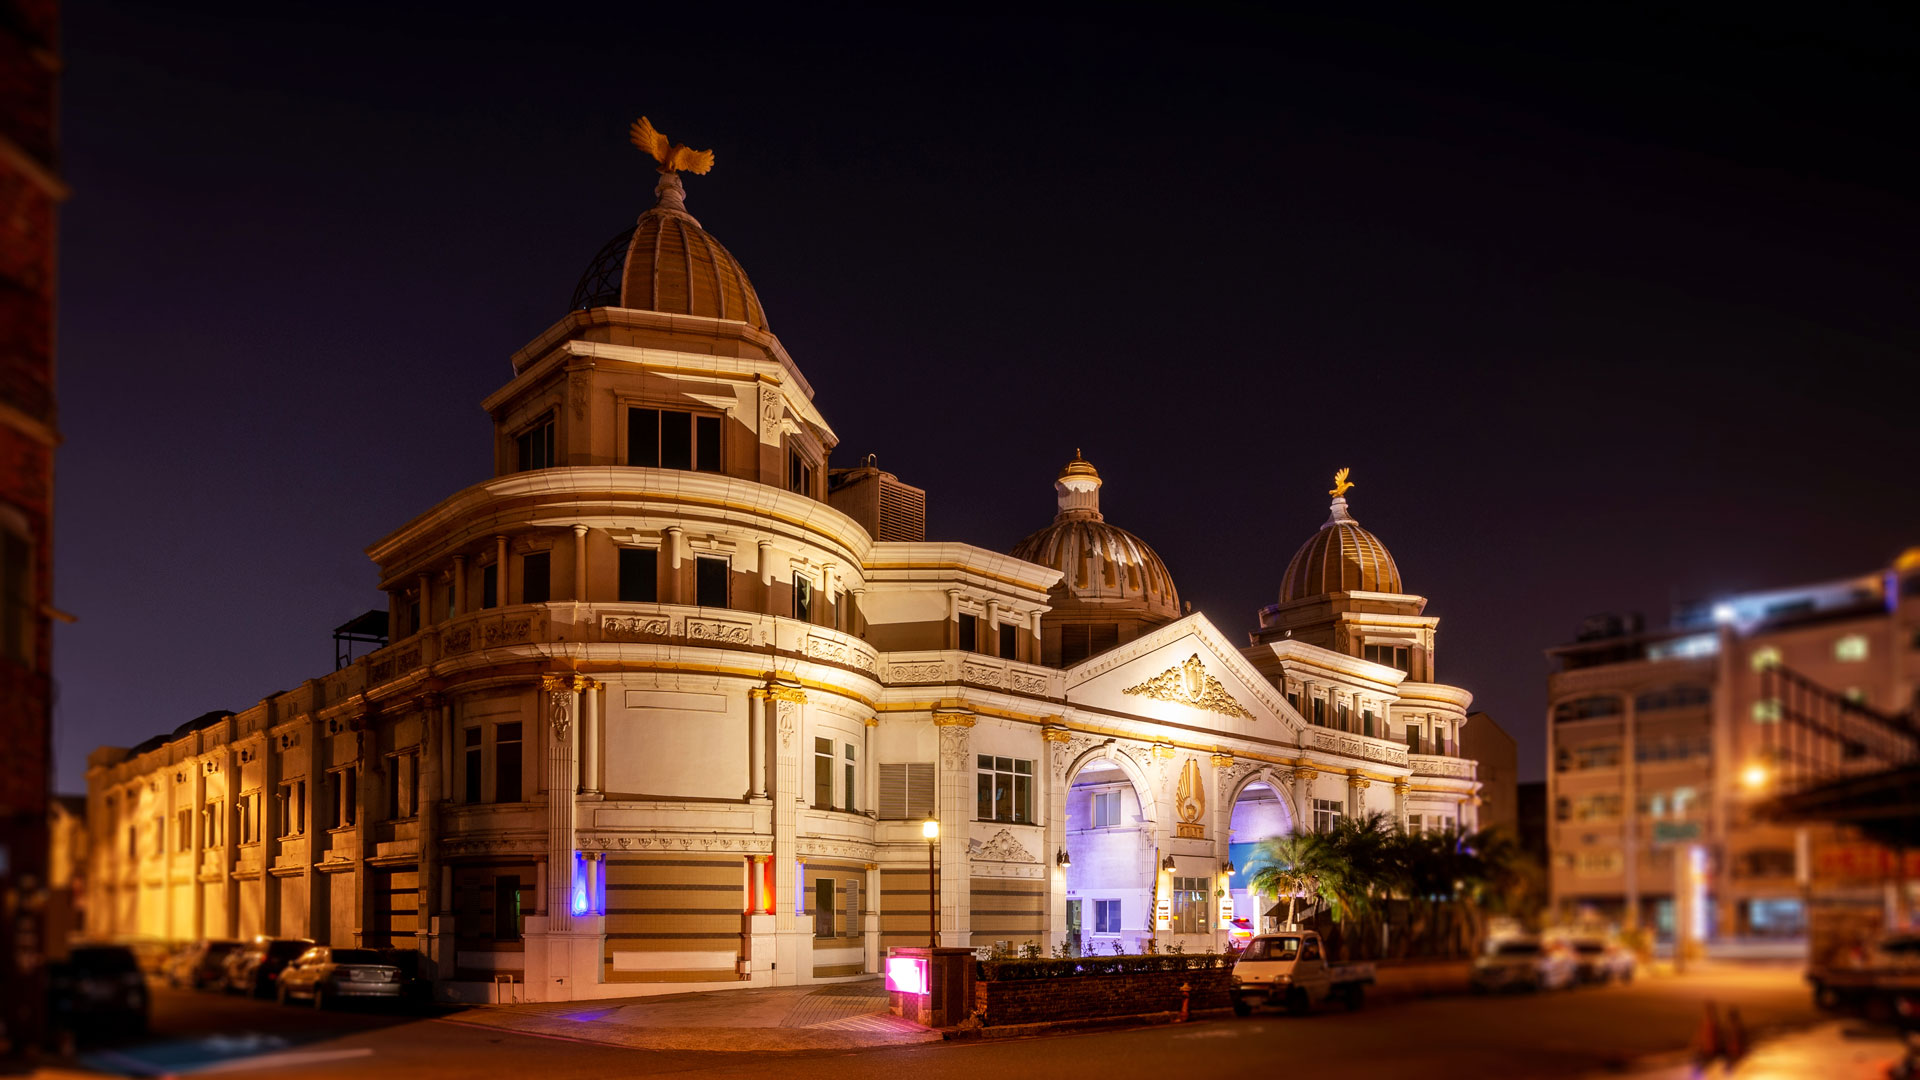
[930, 829]
[1754, 777]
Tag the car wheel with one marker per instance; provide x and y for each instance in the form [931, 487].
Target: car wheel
[319, 997]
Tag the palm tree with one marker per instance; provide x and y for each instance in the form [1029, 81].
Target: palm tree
[1292, 866]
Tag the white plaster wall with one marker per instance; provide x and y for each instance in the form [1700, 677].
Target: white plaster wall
[676, 743]
[1110, 863]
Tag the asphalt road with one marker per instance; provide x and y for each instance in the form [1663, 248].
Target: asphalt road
[1569, 1033]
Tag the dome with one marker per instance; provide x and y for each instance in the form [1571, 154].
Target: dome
[666, 262]
[1106, 566]
[1341, 557]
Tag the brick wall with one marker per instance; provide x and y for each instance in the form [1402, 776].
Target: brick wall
[1082, 997]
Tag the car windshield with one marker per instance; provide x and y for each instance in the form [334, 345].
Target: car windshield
[1516, 948]
[103, 961]
[359, 956]
[1274, 948]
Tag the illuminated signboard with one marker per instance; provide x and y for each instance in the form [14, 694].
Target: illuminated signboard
[1163, 914]
[907, 974]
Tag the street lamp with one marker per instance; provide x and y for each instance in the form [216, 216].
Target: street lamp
[1754, 777]
[930, 829]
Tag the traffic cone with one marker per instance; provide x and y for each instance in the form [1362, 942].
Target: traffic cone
[1707, 1047]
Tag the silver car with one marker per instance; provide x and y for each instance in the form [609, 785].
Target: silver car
[324, 974]
[1521, 963]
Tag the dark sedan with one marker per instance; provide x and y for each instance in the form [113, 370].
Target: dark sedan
[202, 964]
[255, 969]
[98, 989]
[324, 974]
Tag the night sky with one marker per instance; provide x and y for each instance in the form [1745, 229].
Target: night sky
[1604, 313]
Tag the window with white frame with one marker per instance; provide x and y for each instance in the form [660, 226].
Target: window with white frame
[1106, 809]
[1005, 789]
[849, 771]
[1190, 906]
[1326, 814]
[1106, 916]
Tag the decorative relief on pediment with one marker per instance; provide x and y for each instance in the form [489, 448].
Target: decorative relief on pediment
[1189, 683]
[1004, 848]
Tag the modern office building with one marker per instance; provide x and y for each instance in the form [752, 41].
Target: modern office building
[668, 703]
[1660, 740]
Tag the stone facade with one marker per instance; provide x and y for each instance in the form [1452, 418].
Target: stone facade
[655, 716]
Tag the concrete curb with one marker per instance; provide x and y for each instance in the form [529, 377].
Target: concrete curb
[1090, 1023]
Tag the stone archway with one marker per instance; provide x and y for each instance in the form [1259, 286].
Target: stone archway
[1110, 835]
[1260, 809]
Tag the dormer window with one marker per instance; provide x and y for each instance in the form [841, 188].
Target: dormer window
[533, 448]
[670, 439]
[1393, 656]
[799, 473]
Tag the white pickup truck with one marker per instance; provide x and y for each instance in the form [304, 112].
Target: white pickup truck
[1290, 970]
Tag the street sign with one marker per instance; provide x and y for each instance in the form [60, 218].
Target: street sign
[1675, 832]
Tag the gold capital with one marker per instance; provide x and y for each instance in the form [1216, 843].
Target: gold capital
[952, 719]
[788, 693]
[1162, 750]
[554, 684]
[1056, 734]
[1222, 760]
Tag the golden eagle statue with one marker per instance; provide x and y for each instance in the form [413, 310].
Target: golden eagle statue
[673, 157]
[1340, 483]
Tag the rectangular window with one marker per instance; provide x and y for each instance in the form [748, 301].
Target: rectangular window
[799, 474]
[1106, 810]
[210, 818]
[1413, 824]
[969, 636]
[846, 791]
[247, 809]
[669, 439]
[1190, 905]
[1326, 815]
[292, 808]
[340, 797]
[490, 586]
[413, 613]
[16, 596]
[1009, 641]
[1413, 740]
[802, 598]
[906, 791]
[536, 577]
[823, 908]
[506, 909]
[183, 829]
[1394, 656]
[1367, 723]
[1106, 916]
[403, 785]
[710, 581]
[1005, 790]
[506, 763]
[1343, 716]
[1320, 712]
[639, 575]
[471, 745]
[823, 774]
[533, 448]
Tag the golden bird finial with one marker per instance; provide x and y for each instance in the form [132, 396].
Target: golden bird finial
[673, 157]
[1340, 483]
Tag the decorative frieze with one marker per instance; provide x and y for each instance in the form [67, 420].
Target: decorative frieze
[923, 671]
[719, 631]
[834, 651]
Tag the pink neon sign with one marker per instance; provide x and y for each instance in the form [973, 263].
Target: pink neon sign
[907, 974]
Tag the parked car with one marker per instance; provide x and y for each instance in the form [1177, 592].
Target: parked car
[202, 964]
[1290, 970]
[1522, 963]
[255, 969]
[96, 989]
[414, 984]
[1871, 978]
[324, 974]
[1239, 933]
[1597, 960]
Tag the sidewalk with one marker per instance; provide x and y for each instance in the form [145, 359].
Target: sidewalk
[835, 1016]
[1838, 1050]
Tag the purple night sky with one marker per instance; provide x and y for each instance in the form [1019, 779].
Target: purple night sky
[1602, 315]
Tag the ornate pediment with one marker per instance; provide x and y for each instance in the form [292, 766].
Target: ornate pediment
[1189, 683]
[1002, 848]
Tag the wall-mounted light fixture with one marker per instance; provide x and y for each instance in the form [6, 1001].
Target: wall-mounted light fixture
[1166, 863]
[1063, 860]
[1226, 868]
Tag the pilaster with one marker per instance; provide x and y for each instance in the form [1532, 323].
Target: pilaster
[956, 819]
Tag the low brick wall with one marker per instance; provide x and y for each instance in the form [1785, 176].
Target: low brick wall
[1038, 991]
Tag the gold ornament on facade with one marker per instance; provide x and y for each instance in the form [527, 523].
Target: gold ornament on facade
[1223, 760]
[1358, 783]
[790, 694]
[1341, 485]
[673, 157]
[1056, 735]
[1190, 802]
[1188, 683]
[953, 719]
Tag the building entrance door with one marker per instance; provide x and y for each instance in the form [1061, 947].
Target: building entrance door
[1073, 928]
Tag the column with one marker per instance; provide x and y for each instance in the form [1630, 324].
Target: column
[870, 769]
[1356, 796]
[435, 712]
[425, 585]
[579, 564]
[1058, 741]
[956, 794]
[367, 810]
[757, 742]
[765, 552]
[199, 927]
[229, 838]
[1034, 621]
[953, 618]
[1303, 778]
[788, 795]
[674, 533]
[590, 690]
[1400, 787]
[562, 707]
[870, 916]
[459, 585]
[269, 835]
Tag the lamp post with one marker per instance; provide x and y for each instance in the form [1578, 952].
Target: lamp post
[930, 829]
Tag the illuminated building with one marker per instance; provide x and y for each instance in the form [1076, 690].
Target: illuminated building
[1655, 745]
[667, 700]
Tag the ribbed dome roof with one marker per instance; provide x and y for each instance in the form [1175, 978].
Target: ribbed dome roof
[1105, 565]
[1341, 557]
[667, 262]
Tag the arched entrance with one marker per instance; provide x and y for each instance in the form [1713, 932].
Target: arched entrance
[1260, 812]
[1110, 850]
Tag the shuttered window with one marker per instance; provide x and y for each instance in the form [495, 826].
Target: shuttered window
[850, 888]
[906, 791]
